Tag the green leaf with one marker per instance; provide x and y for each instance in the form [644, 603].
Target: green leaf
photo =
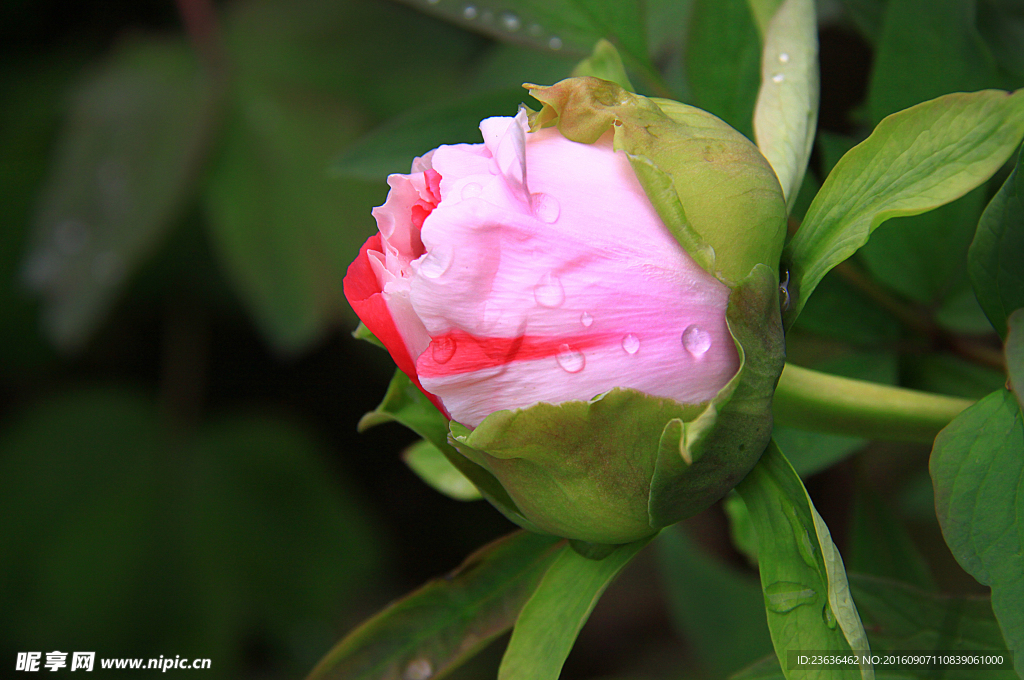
[843, 312]
[133, 140]
[994, 265]
[924, 257]
[391, 147]
[606, 64]
[977, 468]
[763, 11]
[902, 618]
[434, 629]
[553, 616]
[813, 452]
[434, 468]
[559, 25]
[1001, 24]
[961, 313]
[914, 161]
[881, 546]
[34, 102]
[927, 48]
[806, 592]
[1015, 354]
[404, 403]
[949, 374]
[867, 15]
[285, 231]
[786, 113]
[235, 532]
[723, 58]
[719, 610]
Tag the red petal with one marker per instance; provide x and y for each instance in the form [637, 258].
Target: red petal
[459, 352]
[364, 294]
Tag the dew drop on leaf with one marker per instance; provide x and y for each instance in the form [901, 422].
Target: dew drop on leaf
[418, 669]
[785, 596]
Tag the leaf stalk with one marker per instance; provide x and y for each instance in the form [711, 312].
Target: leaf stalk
[821, 402]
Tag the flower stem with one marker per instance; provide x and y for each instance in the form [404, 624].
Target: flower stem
[811, 400]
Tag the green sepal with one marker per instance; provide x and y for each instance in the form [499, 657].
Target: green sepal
[710, 185]
[605, 63]
[433, 467]
[626, 464]
[363, 333]
[699, 461]
[403, 403]
[579, 469]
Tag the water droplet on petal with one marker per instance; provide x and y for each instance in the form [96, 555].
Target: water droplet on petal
[631, 344]
[469, 12]
[784, 58]
[778, 78]
[418, 669]
[510, 22]
[471, 190]
[549, 292]
[442, 349]
[785, 596]
[71, 236]
[536, 30]
[555, 43]
[436, 262]
[586, 319]
[697, 341]
[828, 617]
[546, 207]
[572, 360]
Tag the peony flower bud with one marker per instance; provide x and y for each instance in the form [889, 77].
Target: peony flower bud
[578, 335]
